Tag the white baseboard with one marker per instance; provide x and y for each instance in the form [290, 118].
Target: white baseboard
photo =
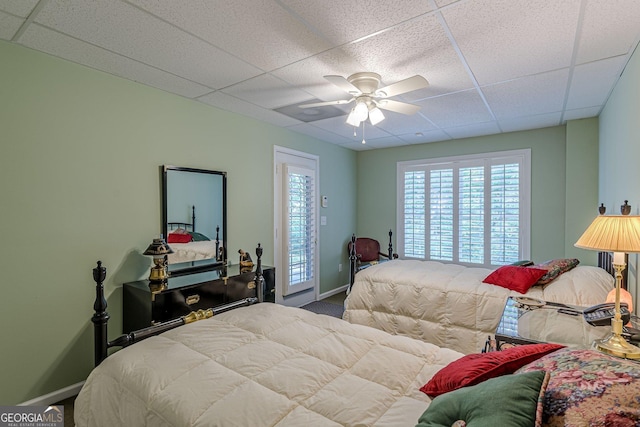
[54, 396]
[333, 292]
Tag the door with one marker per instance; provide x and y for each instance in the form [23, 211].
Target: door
[296, 232]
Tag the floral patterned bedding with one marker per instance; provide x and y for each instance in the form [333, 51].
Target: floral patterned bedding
[589, 388]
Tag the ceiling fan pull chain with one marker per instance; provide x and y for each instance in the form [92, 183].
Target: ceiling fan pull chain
[363, 141]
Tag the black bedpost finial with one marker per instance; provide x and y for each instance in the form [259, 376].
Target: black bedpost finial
[390, 245]
[218, 254]
[626, 208]
[259, 277]
[602, 209]
[100, 317]
[353, 257]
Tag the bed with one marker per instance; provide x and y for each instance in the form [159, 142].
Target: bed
[258, 364]
[263, 364]
[190, 245]
[449, 305]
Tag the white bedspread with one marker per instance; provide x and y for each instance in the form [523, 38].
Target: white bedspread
[263, 365]
[192, 251]
[448, 305]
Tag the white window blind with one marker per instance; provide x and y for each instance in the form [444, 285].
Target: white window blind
[300, 229]
[467, 209]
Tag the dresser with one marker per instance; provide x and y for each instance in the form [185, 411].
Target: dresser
[144, 305]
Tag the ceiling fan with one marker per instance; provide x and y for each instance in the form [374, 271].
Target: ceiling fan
[370, 98]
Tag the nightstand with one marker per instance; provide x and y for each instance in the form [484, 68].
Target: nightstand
[523, 324]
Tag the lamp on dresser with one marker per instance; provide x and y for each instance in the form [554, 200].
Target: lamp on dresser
[619, 234]
[159, 250]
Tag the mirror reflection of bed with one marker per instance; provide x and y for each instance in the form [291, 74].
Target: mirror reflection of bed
[194, 218]
[188, 244]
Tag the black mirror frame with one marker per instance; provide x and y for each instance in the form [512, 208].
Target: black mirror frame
[215, 263]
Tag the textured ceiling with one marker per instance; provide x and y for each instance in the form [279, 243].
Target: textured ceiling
[493, 65]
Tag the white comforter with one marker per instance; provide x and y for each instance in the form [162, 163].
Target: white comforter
[192, 251]
[448, 305]
[263, 365]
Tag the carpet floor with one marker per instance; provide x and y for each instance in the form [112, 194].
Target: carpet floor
[322, 307]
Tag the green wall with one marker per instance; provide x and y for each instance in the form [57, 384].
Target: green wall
[79, 182]
[552, 178]
[581, 202]
[620, 152]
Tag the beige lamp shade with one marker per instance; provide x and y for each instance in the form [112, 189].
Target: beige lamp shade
[612, 233]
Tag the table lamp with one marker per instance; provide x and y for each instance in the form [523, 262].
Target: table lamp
[159, 250]
[619, 234]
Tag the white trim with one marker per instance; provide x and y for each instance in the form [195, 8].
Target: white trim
[277, 152]
[525, 190]
[54, 396]
[333, 292]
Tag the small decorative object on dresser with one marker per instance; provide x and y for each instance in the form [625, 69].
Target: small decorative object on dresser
[245, 259]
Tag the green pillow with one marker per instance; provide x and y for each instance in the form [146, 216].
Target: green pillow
[198, 237]
[509, 400]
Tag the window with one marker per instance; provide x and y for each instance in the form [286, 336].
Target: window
[300, 229]
[467, 209]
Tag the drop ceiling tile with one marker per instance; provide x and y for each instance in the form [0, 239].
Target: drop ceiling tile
[476, 129]
[582, 113]
[308, 74]
[124, 29]
[54, 43]
[532, 122]
[443, 3]
[235, 105]
[532, 95]
[344, 21]
[417, 47]
[385, 142]
[609, 28]
[9, 25]
[456, 109]
[267, 92]
[425, 137]
[276, 38]
[592, 83]
[507, 39]
[21, 8]
[321, 134]
[396, 123]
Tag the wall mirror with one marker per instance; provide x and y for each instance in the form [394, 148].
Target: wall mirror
[194, 218]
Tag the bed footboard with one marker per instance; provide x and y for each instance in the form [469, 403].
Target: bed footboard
[100, 319]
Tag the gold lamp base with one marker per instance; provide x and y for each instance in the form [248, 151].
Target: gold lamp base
[616, 345]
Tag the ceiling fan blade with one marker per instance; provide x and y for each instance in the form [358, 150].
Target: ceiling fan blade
[397, 106]
[403, 86]
[322, 104]
[344, 84]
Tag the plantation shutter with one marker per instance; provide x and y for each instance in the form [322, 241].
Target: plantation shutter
[300, 229]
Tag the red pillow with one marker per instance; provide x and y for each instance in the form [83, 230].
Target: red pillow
[515, 278]
[475, 368]
[179, 238]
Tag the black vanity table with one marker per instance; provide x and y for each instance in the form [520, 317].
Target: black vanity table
[144, 305]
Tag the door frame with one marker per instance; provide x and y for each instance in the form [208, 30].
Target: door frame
[279, 156]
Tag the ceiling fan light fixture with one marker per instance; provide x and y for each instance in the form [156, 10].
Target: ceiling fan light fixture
[361, 111]
[375, 115]
[352, 120]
